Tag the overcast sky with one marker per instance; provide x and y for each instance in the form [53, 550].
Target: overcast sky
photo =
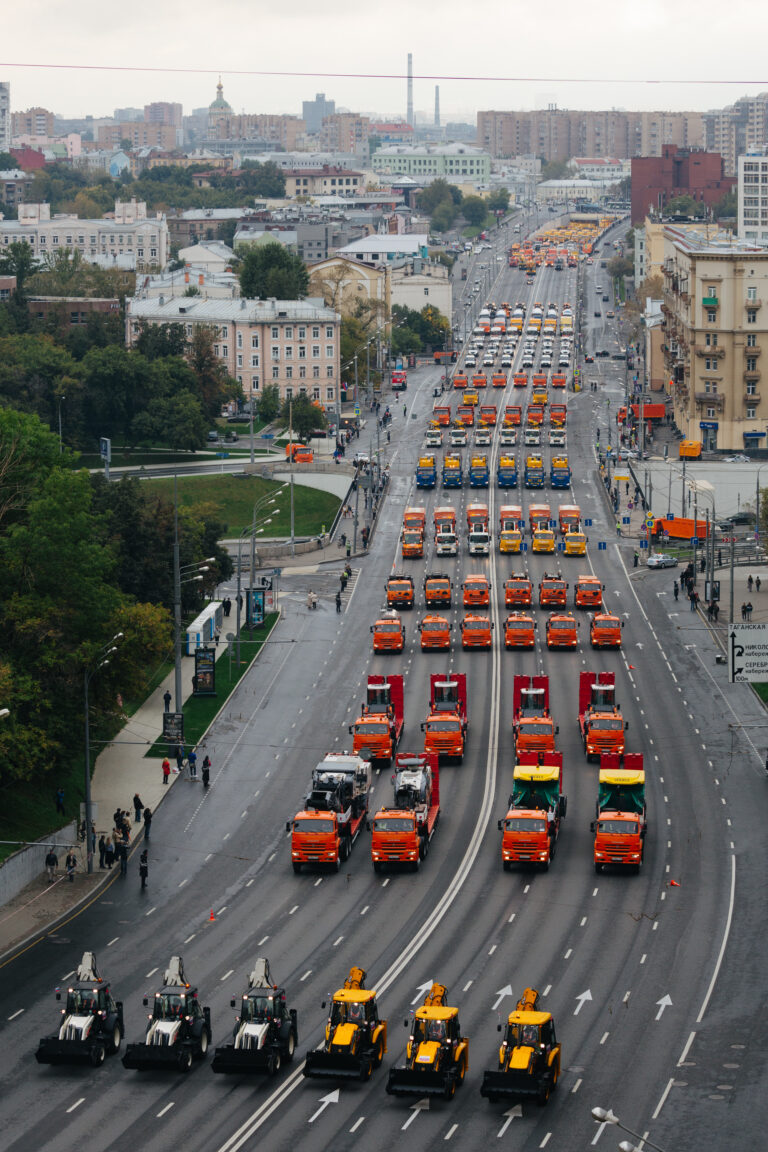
[598, 54]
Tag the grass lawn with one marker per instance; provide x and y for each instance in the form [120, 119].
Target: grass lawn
[199, 711]
[135, 459]
[235, 496]
[30, 811]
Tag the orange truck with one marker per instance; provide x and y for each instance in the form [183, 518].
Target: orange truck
[535, 415]
[488, 414]
[679, 528]
[520, 380]
[460, 380]
[301, 453]
[441, 414]
[399, 591]
[557, 415]
[415, 517]
[402, 834]
[499, 380]
[444, 518]
[559, 381]
[480, 380]
[477, 592]
[518, 591]
[446, 727]
[513, 415]
[552, 590]
[519, 631]
[568, 518]
[588, 592]
[536, 807]
[465, 414]
[620, 825]
[435, 633]
[412, 544]
[477, 515]
[476, 631]
[379, 726]
[600, 721]
[562, 629]
[539, 516]
[605, 630]
[324, 831]
[437, 590]
[532, 724]
[388, 633]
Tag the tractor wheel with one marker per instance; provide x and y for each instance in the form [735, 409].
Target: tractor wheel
[273, 1064]
[366, 1068]
[555, 1075]
[203, 1044]
[378, 1053]
[115, 1039]
[544, 1091]
[98, 1052]
[450, 1089]
[184, 1060]
[378, 866]
[290, 1048]
[462, 1069]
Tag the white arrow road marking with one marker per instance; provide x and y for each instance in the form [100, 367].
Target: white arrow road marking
[665, 1002]
[331, 1098]
[511, 1115]
[422, 991]
[420, 1106]
[502, 992]
[581, 1000]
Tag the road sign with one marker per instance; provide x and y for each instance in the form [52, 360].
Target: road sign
[357, 409]
[643, 543]
[587, 523]
[649, 521]
[601, 546]
[748, 653]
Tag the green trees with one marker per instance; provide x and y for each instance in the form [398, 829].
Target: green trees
[555, 170]
[498, 201]
[263, 179]
[269, 269]
[441, 200]
[268, 404]
[303, 415]
[474, 210]
[412, 330]
[18, 260]
[685, 206]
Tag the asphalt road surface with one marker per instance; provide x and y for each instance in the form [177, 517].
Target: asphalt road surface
[657, 988]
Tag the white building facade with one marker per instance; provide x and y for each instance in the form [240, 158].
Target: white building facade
[128, 239]
[5, 115]
[753, 196]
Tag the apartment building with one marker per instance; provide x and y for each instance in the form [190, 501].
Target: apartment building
[127, 239]
[13, 186]
[326, 181]
[345, 132]
[293, 344]
[164, 112]
[33, 122]
[734, 130]
[753, 196]
[715, 331]
[139, 134]
[5, 115]
[454, 162]
[677, 172]
[558, 134]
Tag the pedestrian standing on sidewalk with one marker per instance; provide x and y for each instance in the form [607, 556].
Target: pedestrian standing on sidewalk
[143, 869]
[166, 770]
[137, 807]
[179, 757]
[338, 601]
[757, 583]
[692, 600]
[122, 855]
[618, 528]
[71, 865]
[51, 864]
[749, 611]
[715, 610]
[167, 700]
[626, 488]
[749, 583]
[147, 822]
[109, 852]
[192, 761]
[102, 851]
[744, 610]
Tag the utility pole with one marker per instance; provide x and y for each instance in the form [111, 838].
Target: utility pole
[732, 547]
[290, 441]
[176, 598]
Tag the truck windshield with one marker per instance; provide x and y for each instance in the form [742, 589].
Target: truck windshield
[169, 1006]
[619, 827]
[562, 625]
[387, 627]
[81, 1002]
[257, 1008]
[525, 824]
[434, 626]
[519, 625]
[368, 728]
[443, 726]
[609, 725]
[347, 1013]
[553, 585]
[534, 728]
[400, 587]
[314, 827]
[518, 585]
[393, 824]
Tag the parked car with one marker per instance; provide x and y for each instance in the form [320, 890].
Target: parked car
[661, 560]
[739, 458]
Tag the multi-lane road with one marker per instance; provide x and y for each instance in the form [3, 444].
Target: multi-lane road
[656, 981]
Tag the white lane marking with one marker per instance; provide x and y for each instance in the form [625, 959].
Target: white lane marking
[357, 1124]
[76, 1104]
[511, 918]
[221, 910]
[493, 949]
[114, 940]
[68, 974]
[661, 1102]
[184, 881]
[364, 910]
[249, 882]
[163, 1111]
[16, 1014]
[151, 910]
[642, 958]
[547, 990]
[450, 1132]
[576, 1087]
[686, 1049]
[568, 953]
[207, 857]
[583, 921]
[385, 882]
[466, 988]
[227, 975]
[306, 975]
[153, 970]
[187, 941]
[545, 1141]
[294, 909]
[337, 942]
[263, 940]
[318, 881]
[604, 1037]
[723, 944]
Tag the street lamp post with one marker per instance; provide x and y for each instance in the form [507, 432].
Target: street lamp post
[101, 659]
[606, 1116]
[61, 441]
[757, 505]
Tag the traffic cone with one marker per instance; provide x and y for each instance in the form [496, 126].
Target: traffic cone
[674, 884]
[211, 917]
[631, 667]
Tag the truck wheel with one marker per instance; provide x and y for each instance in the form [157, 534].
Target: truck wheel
[598, 868]
[462, 1069]
[555, 1075]
[290, 1048]
[423, 847]
[336, 866]
[378, 866]
[273, 1064]
[450, 1089]
[544, 1091]
[378, 1053]
[506, 865]
[366, 1068]
[184, 1060]
[296, 867]
[203, 1044]
[97, 1054]
[115, 1039]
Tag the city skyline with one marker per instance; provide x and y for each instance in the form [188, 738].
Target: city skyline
[163, 56]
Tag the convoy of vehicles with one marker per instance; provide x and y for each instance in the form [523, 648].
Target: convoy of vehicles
[401, 834]
[355, 1037]
[266, 1031]
[178, 1028]
[324, 830]
[437, 1055]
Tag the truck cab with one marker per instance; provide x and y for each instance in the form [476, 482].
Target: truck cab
[518, 591]
[543, 540]
[412, 544]
[477, 592]
[437, 590]
[401, 833]
[452, 471]
[435, 633]
[378, 728]
[476, 631]
[588, 592]
[399, 591]
[519, 631]
[600, 721]
[569, 518]
[533, 726]
[388, 633]
[575, 544]
[446, 726]
[426, 471]
[538, 517]
[444, 518]
[552, 590]
[479, 475]
[562, 630]
[605, 630]
[536, 807]
[560, 477]
[620, 825]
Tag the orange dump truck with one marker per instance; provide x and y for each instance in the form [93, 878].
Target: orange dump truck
[324, 831]
[600, 721]
[460, 381]
[476, 631]
[388, 633]
[399, 591]
[536, 807]
[437, 590]
[513, 415]
[412, 544]
[552, 590]
[588, 592]
[435, 633]
[519, 631]
[415, 517]
[605, 630]
[401, 834]
[620, 825]
[518, 591]
[444, 518]
[520, 380]
[533, 727]
[378, 728]
[488, 414]
[477, 592]
[562, 630]
[445, 729]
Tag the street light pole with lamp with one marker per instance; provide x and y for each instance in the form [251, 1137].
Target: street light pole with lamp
[100, 660]
[606, 1116]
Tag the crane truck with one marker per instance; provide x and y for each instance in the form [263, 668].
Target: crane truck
[402, 834]
[325, 829]
[380, 724]
[91, 1021]
[355, 1038]
[620, 825]
[536, 807]
[529, 1056]
[266, 1030]
[446, 727]
[533, 726]
[600, 720]
[437, 1055]
[178, 1028]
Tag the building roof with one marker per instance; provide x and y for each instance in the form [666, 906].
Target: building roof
[220, 104]
[377, 242]
[429, 150]
[187, 308]
[712, 243]
[215, 248]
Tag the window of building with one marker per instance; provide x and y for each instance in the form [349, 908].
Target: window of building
[152, 252]
[329, 351]
[302, 333]
[329, 332]
[239, 339]
[315, 351]
[752, 293]
[302, 372]
[711, 340]
[215, 349]
[329, 394]
[302, 351]
[751, 411]
[254, 341]
[225, 351]
[255, 360]
[289, 373]
[239, 359]
[315, 372]
[329, 371]
[289, 351]
[315, 333]
[751, 316]
[711, 316]
[254, 382]
[751, 363]
[275, 353]
[289, 393]
[751, 340]
[140, 253]
[751, 388]
[315, 393]
[275, 333]
[275, 373]
[288, 334]
[710, 412]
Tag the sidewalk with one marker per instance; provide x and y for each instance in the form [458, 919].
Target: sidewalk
[120, 770]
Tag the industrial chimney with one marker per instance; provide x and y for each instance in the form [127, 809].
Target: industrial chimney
[437, 105]
[409, 113]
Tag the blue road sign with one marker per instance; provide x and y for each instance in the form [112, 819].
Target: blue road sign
[625, 520]
[643, 543]
[601, 546]
[587, 523]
